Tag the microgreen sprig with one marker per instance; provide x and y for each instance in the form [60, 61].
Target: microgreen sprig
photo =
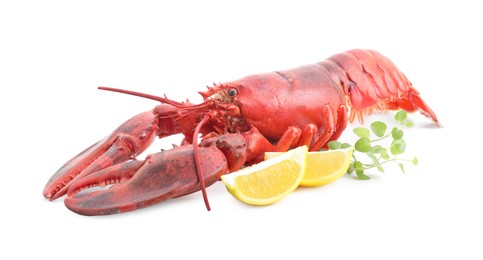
[377, 154]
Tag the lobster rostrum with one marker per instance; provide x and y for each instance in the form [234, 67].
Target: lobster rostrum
[238, 121]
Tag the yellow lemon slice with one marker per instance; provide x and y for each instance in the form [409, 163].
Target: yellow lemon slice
[323, 167]
[268, 181]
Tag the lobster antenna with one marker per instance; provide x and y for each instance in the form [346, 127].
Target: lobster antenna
[143, 95]
[197, 160]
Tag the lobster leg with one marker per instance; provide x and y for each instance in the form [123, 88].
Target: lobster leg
[126, 142]
[329, 125]
[164, 175]
[342, 121]
[334, 122]
[289, 139]
[308, 133]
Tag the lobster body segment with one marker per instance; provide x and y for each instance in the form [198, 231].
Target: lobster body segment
[238, 121]
[273, 99]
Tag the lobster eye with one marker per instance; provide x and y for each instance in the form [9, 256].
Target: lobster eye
[232, 92]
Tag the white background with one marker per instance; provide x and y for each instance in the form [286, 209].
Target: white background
[54, 54]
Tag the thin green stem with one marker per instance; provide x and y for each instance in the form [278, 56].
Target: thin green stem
[370, 166]
[403, 160]
[380, 138]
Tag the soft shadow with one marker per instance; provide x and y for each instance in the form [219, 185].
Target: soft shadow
[430, 125]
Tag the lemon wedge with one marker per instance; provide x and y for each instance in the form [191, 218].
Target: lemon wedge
[268, 181]
[323, 167]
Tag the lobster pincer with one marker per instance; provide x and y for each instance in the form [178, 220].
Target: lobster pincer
[127, 141]
[138, 184]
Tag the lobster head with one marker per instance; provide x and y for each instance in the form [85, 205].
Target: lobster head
[221, 103]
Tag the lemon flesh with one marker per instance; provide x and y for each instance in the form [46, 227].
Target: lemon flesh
[323, 167]
[269, 181]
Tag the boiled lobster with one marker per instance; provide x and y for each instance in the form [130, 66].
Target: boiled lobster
[238, 121]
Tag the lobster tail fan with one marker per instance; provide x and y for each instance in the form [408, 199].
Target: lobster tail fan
[412, 102]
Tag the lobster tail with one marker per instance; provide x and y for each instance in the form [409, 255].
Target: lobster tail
[373, 83]
[412, 102]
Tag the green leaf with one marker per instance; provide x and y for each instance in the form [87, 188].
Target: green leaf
[384, 154]
[362, 132]
[360, 171]
[398, 146]
[376, 161]
[401, 115]
[379, 168]
[378, 128]
[363, 145]
[373, 157]
[376, 149]
[346, 145]
[415, 161]
[397, 133]
[358, 166]
[351, 168]
[334, 145]
[362, 176]
[408, 124]
[401, 166]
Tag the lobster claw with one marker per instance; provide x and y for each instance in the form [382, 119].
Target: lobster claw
[159, 177]
[127, 141]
